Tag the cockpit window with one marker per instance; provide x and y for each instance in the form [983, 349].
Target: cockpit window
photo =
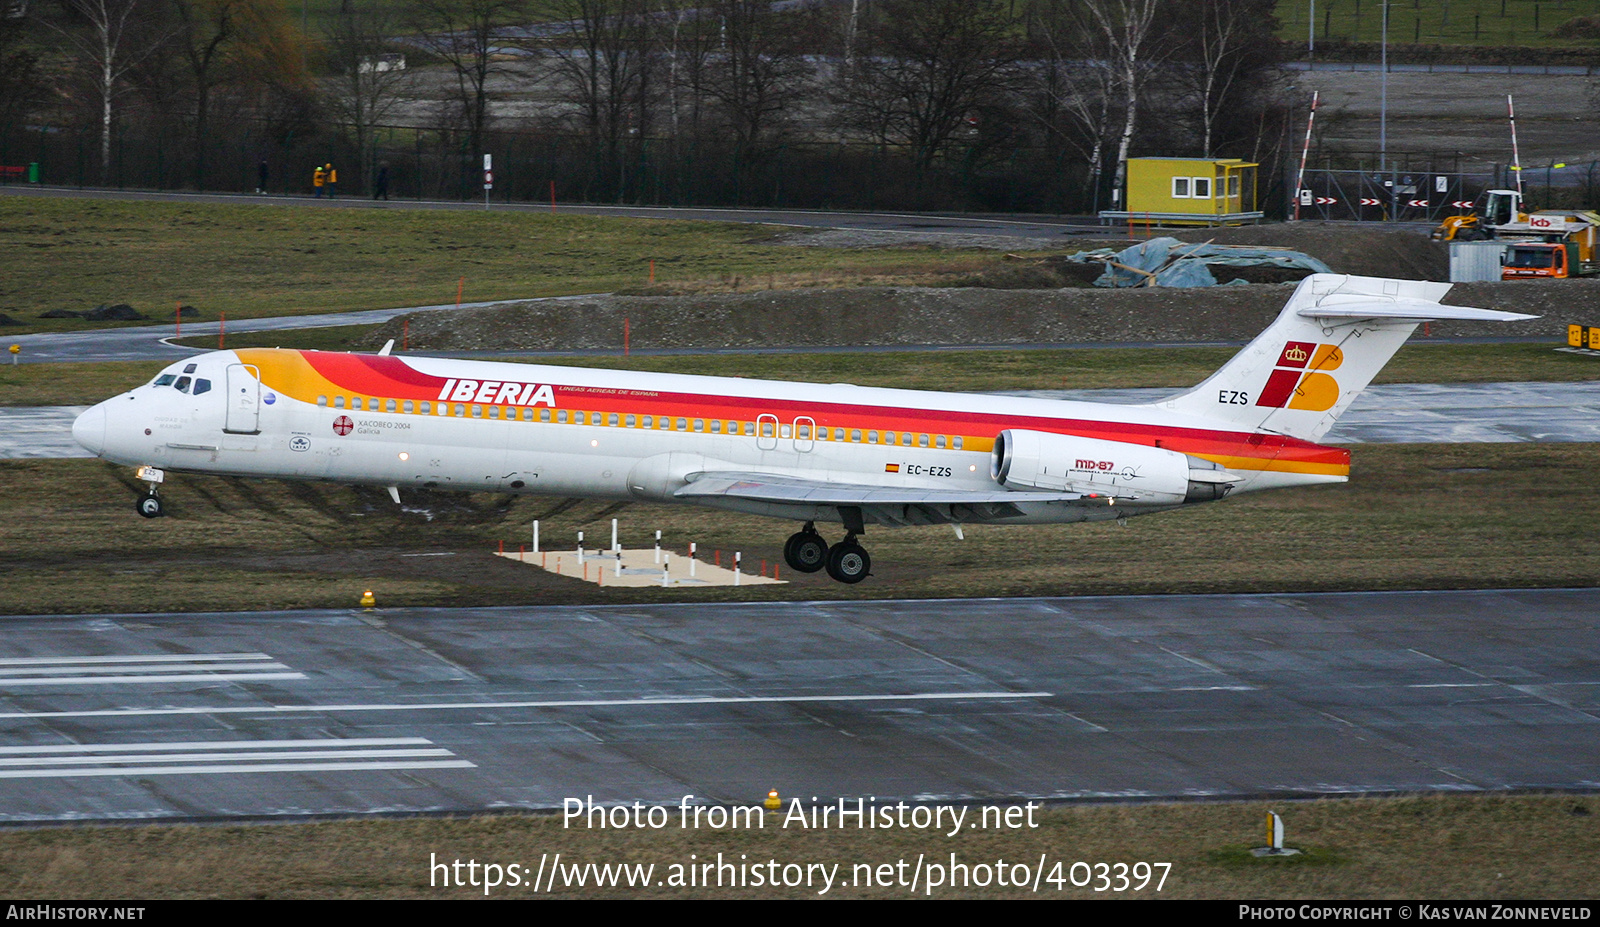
[190, 368]
[202, 386]
[182, 385]
[165, 379]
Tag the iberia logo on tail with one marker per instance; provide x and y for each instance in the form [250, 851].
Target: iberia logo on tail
[1301, 380]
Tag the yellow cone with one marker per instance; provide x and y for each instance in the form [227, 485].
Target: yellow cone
[772, 802]
[367, 601]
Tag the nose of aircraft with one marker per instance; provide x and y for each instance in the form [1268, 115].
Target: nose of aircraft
[89, 429]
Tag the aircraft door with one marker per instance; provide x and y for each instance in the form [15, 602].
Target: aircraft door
[767, 432]
[244, 400]
[805, 429]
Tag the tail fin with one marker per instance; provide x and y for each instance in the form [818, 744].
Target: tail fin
[1332, 338]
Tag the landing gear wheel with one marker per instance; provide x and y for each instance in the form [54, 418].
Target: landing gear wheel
[806, 552]
[848, 561]
[150, 506]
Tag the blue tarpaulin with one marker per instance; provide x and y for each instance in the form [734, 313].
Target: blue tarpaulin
[1178, 263]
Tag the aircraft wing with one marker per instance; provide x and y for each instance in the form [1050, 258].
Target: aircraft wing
[784, 489]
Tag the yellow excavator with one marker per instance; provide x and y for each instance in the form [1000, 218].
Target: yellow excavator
[1493, 208]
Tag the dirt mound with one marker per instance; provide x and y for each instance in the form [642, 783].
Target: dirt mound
[1347, 248]
[936, 316]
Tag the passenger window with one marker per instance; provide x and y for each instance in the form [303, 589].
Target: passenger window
[922, 440]
[716, 427]
[527, 415]
[578, 417]
[355, 403]
[461, 410]
[750, 428]
[855, 435]
[388, 406]
[494, 411]
[872, 437]
[477, 411]
[633, 421]
[166, 379]
[838, 434]
[612, 420]
[939, 441]
[202, 386]
[544, 415]
[888, 438]
[699, 424]
[733, 428]
[683, 424]
[409, 407]
[338, 402]
[182, 385]
[957, 442]
[905, 439]
[561, 417]
[649, 421]
[322, 402]
[427, 408]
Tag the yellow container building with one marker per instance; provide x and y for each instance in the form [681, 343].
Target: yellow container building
[1188, 191]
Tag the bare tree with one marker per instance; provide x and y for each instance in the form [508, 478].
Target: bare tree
[757, 75]
[928, 68]
[1126, 27]
[370, 80]
[607, 65]
[466, 35]
[1070, 84]
[120, 34]
[22, 85]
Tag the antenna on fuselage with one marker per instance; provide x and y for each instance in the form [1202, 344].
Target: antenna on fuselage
[387, 347]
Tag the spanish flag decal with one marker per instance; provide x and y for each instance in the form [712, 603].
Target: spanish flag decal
[891, 468]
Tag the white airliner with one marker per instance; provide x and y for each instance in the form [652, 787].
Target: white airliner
[811, 453]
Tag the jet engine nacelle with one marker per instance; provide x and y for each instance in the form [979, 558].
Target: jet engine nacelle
[1065, 463]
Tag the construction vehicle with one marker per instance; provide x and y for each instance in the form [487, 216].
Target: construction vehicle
[1493, 208]
[1550, 243]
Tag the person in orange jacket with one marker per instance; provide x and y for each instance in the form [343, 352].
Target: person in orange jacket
[318, 178]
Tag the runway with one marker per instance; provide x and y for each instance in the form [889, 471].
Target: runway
[1398, 413]
[288, 714]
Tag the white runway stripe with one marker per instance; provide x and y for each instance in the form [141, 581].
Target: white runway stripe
[217, 757]
[187, 677]
[136, 658]
[10, 672]
[144, 669]
[570, 703]
[236, 756]
[246, 768]
[189, 745]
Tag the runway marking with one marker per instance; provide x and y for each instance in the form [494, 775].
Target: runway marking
[572, 703]
[1454, 685]
[54, 761]
[142, 668]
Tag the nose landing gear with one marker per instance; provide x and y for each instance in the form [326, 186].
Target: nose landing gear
[846, 561]
[149, 505]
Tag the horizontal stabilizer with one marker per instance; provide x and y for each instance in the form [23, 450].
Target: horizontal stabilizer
[1409, 310]
[781, 489]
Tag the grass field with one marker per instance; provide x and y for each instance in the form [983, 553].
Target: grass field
[1412, 517]
[249, 261]
[1445, 22]
[83, 384]
[1430, 847]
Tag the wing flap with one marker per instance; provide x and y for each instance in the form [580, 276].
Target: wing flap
[777, 488]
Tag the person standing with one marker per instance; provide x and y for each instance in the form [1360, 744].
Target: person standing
[380, 189]
[261, 176]
[319, 177]
[333, 180]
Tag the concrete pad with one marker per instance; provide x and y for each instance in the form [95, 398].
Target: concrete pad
[640, 568]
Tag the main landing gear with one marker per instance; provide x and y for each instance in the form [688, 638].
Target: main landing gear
[845, 561]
